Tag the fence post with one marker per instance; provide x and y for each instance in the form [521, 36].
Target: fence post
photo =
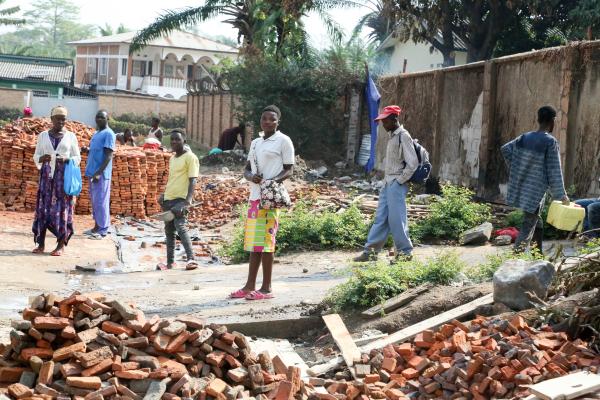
[438, 79]
[353, 133]
[487, 123]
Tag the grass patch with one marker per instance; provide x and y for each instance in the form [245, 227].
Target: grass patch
[450, 216]
[485, 272]
[305, 229]
[372, 284]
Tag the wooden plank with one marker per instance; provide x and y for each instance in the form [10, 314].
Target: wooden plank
[408, 332]
[342, 338]
[567, 387]
[430, 323]
[397, 301]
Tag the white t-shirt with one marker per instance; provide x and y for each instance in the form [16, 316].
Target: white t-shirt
[271, 155]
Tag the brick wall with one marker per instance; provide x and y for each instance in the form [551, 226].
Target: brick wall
[117, 104]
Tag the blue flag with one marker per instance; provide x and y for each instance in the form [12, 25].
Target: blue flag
[372, 97]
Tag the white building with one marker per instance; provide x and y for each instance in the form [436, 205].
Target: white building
[162, 68]
[408, 56]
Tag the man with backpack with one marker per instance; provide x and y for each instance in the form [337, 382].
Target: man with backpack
[401, 162]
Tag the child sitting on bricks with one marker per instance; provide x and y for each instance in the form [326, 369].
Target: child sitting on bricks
[179, 193]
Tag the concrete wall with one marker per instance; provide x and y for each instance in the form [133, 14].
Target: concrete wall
[118, 104]
[12, 98]
[464, 114]
[208, 116]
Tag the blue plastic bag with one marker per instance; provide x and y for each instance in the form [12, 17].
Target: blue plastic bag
[73, 181]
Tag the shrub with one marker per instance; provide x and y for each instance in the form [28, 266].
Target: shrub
[376, 282]
[10, 113]
[450, 216]
[485, 272]
[514, 218]
[120, 126]
[303, 229]
[167, 121]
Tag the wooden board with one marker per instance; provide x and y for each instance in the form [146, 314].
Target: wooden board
[408, 333]
[342, 338]
[566, 387]
[397, 301]
[430, 323]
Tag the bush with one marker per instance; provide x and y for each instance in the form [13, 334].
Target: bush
[120, 126]
[10, 113]
[450, 216]
[167, 121]
[303, 229]
[514, 218]
[485, 272]
[376, 282]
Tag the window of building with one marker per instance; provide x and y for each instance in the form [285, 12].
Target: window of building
[169, 70]
[91, 65]
[149, 71]
[40, 93]
[124, 66]
[103, 66]
[139, 68]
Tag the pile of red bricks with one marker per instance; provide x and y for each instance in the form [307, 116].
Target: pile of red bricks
[489, 358]
[217, 201]
[84, 347]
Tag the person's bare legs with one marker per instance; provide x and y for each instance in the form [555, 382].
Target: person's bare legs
[254, 265]
[267, 264]
[60, 246]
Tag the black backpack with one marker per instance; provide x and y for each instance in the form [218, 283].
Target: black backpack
[423, 171]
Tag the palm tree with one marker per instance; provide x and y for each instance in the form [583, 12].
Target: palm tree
[262, 25]
[107, 30]
[5, 15]
[378, 20]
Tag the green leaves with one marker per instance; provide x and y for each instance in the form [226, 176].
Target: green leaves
[303, 229]
[453, 214]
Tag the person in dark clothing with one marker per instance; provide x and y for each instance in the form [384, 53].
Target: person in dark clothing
[231, 136]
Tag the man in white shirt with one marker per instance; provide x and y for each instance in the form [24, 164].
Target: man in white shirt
[401, 162]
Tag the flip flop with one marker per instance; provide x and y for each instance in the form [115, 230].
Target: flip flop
[191, 265]
[96, 236]
[258, 295]
[89, 232]
[163, 267]
[238, 294]
[57, 253]
[37, 250]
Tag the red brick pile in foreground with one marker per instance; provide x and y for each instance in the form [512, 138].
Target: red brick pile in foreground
[491, 358]
[84, 347]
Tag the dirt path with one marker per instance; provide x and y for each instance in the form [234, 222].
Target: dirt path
[167, 293]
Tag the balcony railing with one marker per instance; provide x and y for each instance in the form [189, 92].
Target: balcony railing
[155, 80]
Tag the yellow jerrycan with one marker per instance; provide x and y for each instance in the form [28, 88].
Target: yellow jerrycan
[566, 218]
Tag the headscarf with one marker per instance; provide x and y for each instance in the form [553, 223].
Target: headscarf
[27, 112]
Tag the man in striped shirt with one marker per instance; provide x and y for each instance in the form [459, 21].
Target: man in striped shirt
[533, 161]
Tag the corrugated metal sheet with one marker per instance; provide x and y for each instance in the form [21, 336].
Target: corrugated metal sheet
[176, 39]
[33, 70]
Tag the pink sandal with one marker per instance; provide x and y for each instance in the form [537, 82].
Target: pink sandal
[258, 295]
[238, 294]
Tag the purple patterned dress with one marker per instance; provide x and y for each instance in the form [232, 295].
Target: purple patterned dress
[54, 209]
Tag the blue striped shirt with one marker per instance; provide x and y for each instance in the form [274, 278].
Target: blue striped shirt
[533, 161]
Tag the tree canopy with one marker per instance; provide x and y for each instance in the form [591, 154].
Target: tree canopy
[48, 26]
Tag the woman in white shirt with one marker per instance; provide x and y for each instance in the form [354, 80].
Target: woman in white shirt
[54, 209]
[271, 157]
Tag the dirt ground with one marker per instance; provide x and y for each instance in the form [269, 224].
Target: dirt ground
[167, 293]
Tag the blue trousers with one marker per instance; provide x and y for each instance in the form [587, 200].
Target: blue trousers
[100, 197]
[391, 217]
[592, 215]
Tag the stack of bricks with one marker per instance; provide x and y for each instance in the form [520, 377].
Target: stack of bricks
[84, 347]
[489, 358]
[18, 185]
[134, 191]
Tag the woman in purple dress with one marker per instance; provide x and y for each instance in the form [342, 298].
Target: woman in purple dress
[54, 209]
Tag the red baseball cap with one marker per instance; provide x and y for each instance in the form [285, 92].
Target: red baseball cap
[387, 111]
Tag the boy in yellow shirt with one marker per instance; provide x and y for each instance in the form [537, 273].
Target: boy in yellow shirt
[179, 194]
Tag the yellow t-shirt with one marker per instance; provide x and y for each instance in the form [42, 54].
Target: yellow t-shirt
[181, 169]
